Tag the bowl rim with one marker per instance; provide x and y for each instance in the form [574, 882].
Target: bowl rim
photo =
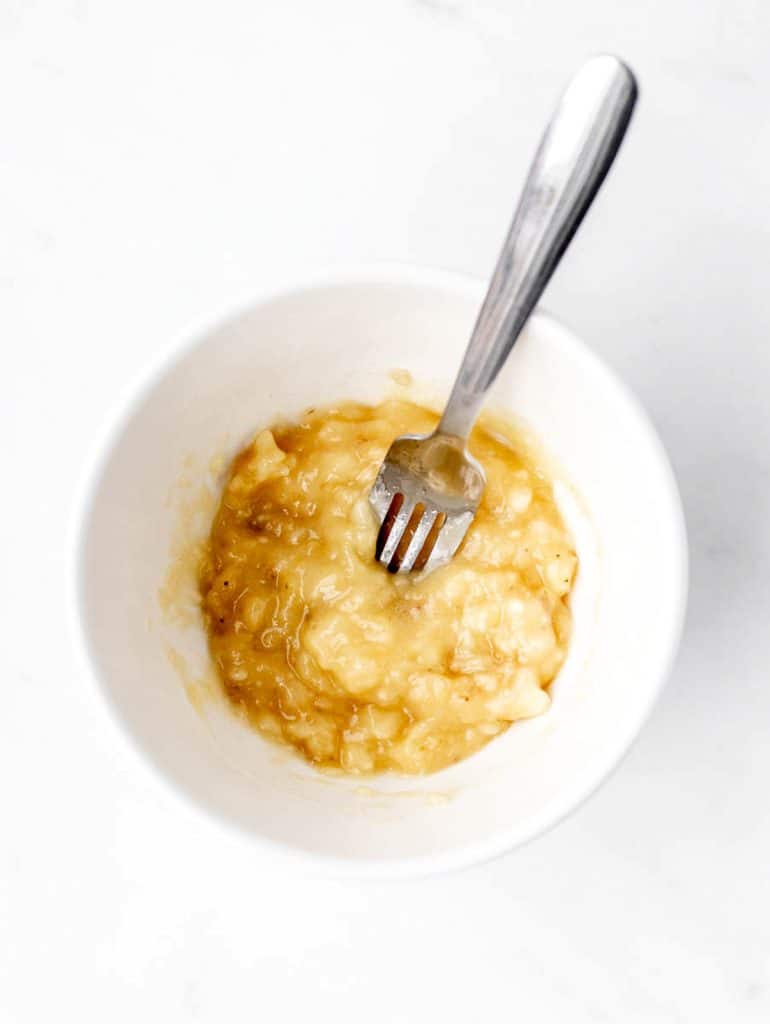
[95, 464]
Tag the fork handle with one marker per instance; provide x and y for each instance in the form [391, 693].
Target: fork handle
[574, 155]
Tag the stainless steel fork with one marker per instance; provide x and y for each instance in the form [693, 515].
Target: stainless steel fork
[428, 488]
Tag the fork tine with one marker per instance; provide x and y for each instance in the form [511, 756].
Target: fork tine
[427, 540]
[417, 538]
[406, 539]
[393, 526]
[386, 526]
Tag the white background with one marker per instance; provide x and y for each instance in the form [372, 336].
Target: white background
[161, 162]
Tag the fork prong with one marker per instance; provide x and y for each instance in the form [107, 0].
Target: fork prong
[405, 540]
[451, 536]
[427, 540]
[417, 541]
[393, 526]
[386, 526]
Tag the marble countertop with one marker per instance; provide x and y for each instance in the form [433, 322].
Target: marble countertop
[163, 161]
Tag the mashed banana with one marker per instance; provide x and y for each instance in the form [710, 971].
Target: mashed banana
[358, 669]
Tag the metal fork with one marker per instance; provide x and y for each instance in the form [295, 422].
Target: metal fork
[429, 487]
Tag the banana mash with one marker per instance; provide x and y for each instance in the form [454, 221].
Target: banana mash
[357, 669]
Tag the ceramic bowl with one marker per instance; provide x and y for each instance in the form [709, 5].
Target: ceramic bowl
[149, 495]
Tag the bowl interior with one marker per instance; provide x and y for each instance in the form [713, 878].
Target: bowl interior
[155, 488]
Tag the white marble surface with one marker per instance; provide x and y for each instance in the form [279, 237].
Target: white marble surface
[162, 161]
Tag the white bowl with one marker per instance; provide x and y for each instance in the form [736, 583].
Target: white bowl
[316, 344]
